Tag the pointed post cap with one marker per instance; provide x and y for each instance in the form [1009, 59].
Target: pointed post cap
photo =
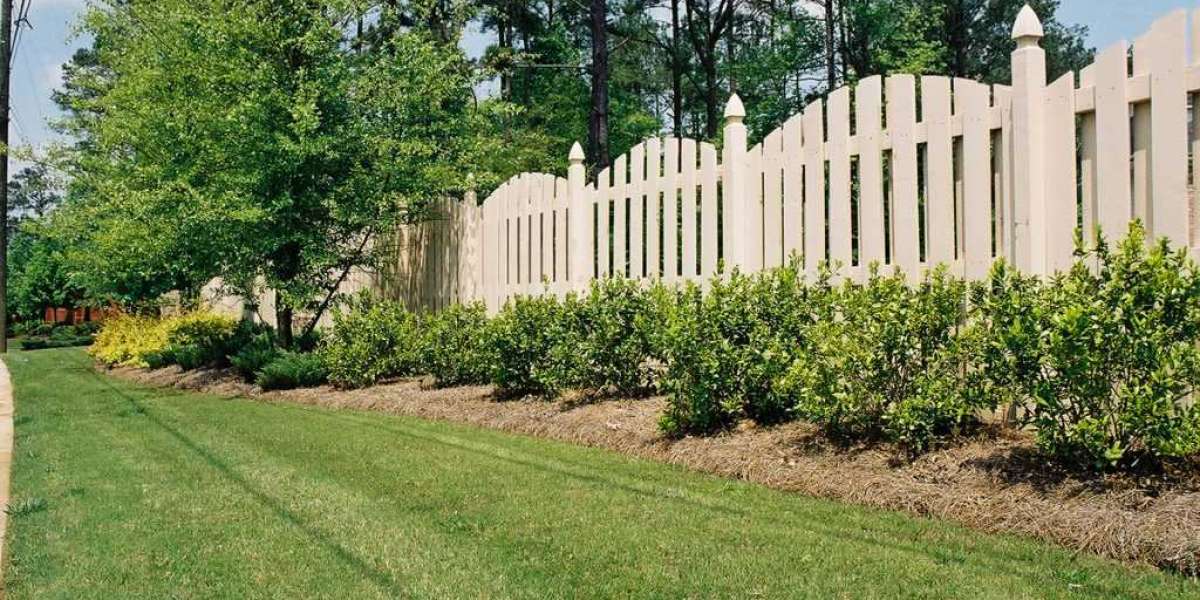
[1028, 28]
[576, 156]
[734, 111]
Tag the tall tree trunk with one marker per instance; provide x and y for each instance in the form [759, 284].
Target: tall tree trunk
[830, 61]
[283, 322]
[676, 74]
[598, 123]
[712, 101]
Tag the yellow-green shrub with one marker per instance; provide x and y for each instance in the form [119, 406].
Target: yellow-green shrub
[128, 339]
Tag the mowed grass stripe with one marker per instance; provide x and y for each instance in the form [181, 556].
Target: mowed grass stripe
[153, 493]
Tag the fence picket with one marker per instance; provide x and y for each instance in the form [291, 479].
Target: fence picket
[637, 203]
[1060, 198]
[688, 207]
[839, 178]
[709, 224]
[971, 101]
[901, 124]
[814, 186]
[869, 112]
[772, 163]
[793, 187]
[939, 168]
[653, 206]
[1168, 106]
[670, 211]
[1112, 134]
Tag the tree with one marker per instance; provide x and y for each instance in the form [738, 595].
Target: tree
[32, 193]
[264, 147]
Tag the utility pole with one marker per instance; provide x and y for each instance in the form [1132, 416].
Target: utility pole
[5, 72]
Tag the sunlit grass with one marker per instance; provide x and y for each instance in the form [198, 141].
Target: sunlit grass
[126, 491]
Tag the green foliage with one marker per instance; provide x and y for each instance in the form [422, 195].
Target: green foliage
[267, 147]
[526, 345]
[725, 348]
[885, 364]
[254, 355]
[370, 342]
[292, 370]
[1106, 355]
[190, 340]
[39, 275]
[609, 341]
[454, 345]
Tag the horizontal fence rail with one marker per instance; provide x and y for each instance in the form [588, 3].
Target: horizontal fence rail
[901, 171]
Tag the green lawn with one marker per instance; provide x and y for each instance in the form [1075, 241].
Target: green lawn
[126, 491]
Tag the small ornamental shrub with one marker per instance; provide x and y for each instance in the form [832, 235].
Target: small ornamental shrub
[886, 364]
[127, 340]
[1105, 355]
[608, 345]
[454, 345]
[254, 355]
[202, 329]
[524, 345]
[195, 339]
[724, 349]
[370, 342]
[292, 370]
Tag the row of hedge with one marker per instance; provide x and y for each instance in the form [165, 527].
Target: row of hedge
[204, 339]
[1100, 360]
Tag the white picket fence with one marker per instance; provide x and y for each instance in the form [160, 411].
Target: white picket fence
[958, 173]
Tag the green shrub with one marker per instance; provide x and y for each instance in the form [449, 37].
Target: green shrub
[259, 351]
[886, 364]
[292, 370]
[42, 343]
[1105, 355]
[454, 345]
[372, 341]
[725, 349]
[524, 345]
[609, 339]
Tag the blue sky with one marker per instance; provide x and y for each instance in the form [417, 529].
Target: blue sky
[37, 68]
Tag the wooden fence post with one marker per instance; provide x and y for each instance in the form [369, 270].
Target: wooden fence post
[1029, 229]
[739, 229]
[580, 235]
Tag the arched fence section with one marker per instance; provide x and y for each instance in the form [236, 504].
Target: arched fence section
[902, 171]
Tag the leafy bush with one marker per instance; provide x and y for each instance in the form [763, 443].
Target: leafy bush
[886, 363]
[609, 338]
[1105, 354]
[259, 351]
[200, 336]
[292, 370]
[454, 345]
[524, 345]
[371, 341]
[196, 339]
[725, 349]
[128, 339]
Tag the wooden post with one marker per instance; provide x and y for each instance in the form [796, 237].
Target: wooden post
[739, 229]
[1029, 182]
[579, 210]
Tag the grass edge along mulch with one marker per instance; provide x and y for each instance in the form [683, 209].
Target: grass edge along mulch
[994, 484]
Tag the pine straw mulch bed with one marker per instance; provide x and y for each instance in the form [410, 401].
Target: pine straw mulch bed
[993, 481]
